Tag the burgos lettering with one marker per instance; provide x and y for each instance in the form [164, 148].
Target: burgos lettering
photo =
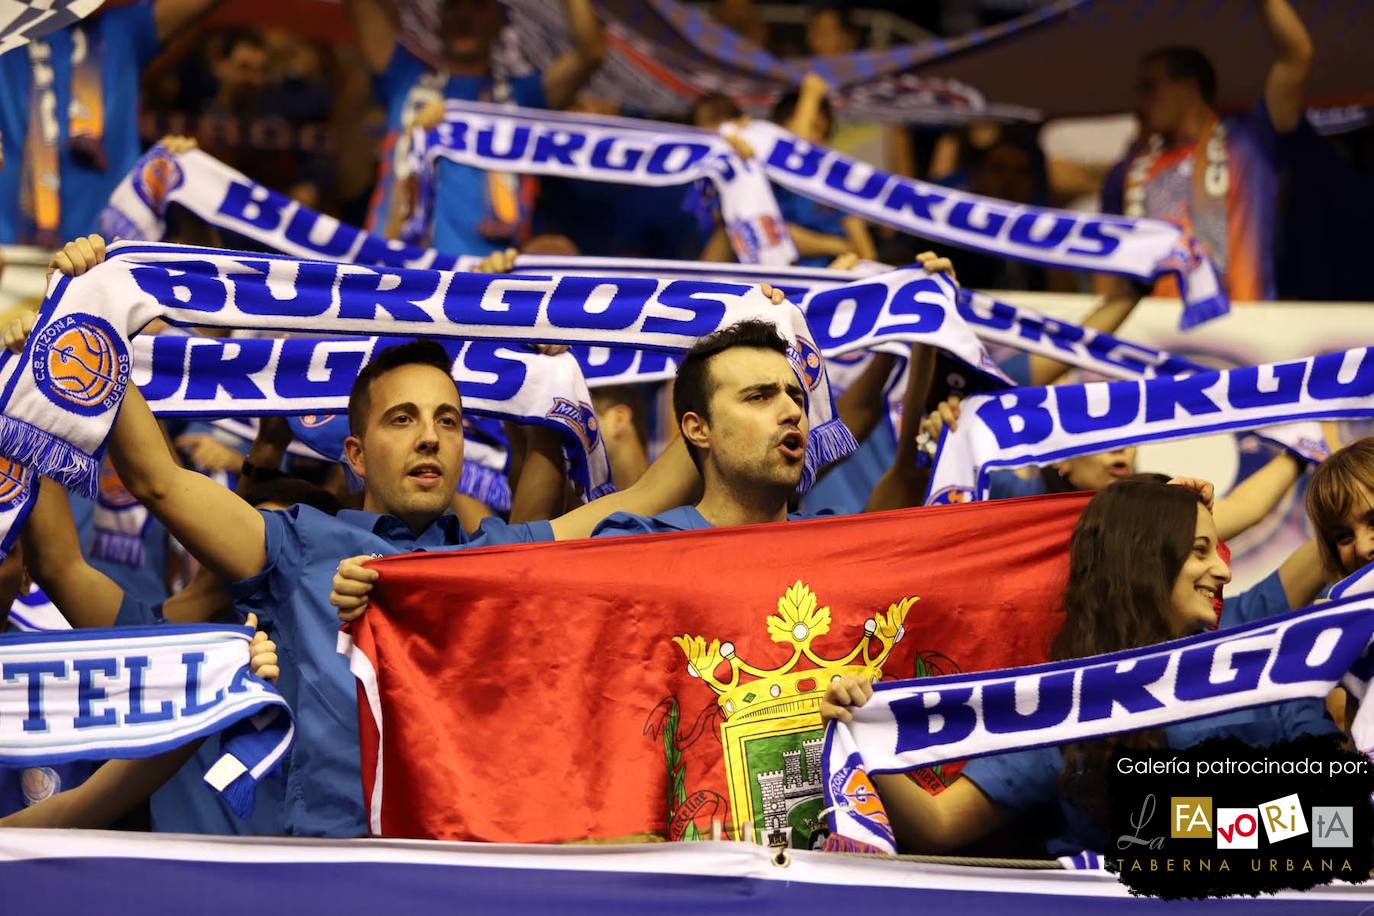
[1030, 416]
[1313, 648]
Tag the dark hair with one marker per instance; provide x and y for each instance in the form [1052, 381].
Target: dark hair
[608, 396]
[787, 106]
[1338, 484]
[841, 11]
[715, 107]
[1127, 551]
[416, 352]
[693, 388]
[288, 491]
[1183, 63]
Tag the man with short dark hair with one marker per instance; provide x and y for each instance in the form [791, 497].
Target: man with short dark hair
[1215, 176]
[620, 419]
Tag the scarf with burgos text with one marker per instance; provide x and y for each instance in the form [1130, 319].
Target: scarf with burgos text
[311, 378]
[1039, 426]
[137, 692]
[60, 396]
[916, 723]
[231, 202]
[639, 152]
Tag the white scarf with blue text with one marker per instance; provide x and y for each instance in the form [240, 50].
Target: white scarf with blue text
[641, 152]
[140, 691]
[1039, 426]
[916, 723]
[182, 376]
[60, 396]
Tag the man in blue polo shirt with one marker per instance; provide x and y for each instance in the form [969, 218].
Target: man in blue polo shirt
[69, 117]
[475, 212]
[406, 444]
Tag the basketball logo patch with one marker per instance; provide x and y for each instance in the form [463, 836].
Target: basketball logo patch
[808, 362]
[40, 783]
[81, 364]
[157, 176]
[12, 481]
[315, 420]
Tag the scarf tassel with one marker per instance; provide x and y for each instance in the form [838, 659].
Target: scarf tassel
[44, 453]
[829, 442]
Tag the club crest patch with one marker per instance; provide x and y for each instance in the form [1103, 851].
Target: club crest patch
[81, 364]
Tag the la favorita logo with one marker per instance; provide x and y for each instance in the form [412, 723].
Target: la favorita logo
[1239, 819]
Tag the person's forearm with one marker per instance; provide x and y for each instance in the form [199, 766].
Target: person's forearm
[811, 243]
[862, 404]
[588, 39]
[860, 239]
[539, 492]
[52, 555]
[1252, 498]
[1107, 317]
[903, 484]
[1292, 43]
[113, 790]
[1302, 575]
[138, 449]
[671, 481]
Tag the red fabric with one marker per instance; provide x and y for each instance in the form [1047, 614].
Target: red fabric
[524, 689]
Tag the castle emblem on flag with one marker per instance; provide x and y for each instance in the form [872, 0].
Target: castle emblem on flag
[772, 733]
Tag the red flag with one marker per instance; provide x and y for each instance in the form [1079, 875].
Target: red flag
[622, 686]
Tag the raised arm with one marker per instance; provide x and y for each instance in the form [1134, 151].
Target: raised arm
[571, 70]
[543, 478]
[903, 484]
[216, 526]
[376, 31]
[1120, 297]
[1252, 498]
[52, 555]
[669, 482]
[923, 823]
[1283, 87]
[113, 791]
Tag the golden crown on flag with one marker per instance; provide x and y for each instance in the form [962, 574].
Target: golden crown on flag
[798, 621]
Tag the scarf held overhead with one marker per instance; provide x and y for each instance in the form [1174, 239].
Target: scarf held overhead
[639, 152]
[916, 723]
[61, 395]
[230, 201]
[1039, 426]
[137, 692]
[183, 376]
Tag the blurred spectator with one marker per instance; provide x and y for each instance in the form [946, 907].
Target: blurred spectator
[830, 30]
[240, 71]
[69, 117]
[474, 212]
[1215, 176]
[741, 16]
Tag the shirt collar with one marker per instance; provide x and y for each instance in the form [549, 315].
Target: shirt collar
[443, 531]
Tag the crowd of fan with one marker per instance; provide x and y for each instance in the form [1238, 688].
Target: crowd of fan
[733, 420]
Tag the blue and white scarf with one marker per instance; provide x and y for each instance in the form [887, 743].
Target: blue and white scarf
[623, 150]
[640, 152]
[137, 692]
[60, 396]
[34, 612]
[18, 492]
[1360, 582]
[182, 376]
[1039, 426]
[230, 201]
[915, 723]
[227, 199]
[22, 21]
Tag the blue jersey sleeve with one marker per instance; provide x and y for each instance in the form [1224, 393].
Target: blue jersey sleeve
[283, 565]
[395, 81]
[136, 25]
[1021, 781]
[493, 531]
[528, 91]
[1263, 599]
[1017, 368]
[135, 613]
[620, 524]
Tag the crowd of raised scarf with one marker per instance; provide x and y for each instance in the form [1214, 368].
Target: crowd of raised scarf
[233, 409]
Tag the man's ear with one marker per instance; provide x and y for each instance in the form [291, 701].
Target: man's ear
[353, 454]
[696, 429]
[618, 418]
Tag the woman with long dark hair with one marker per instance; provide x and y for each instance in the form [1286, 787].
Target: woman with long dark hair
[1144, 568]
